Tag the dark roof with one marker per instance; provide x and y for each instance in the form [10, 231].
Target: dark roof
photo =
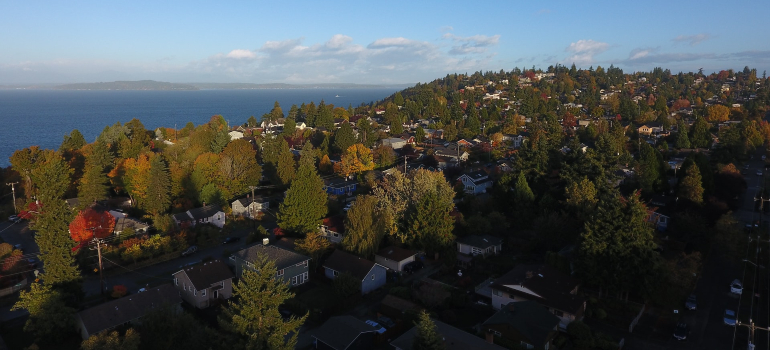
[287, 243]
[125, 309]
[335, 223]
[454, 339]
[483, 241]
[204, 275]
[247, 200]
[338, 182]
[281, 257]
[182, 217]
[477, 175]
[530, 319]
[342, 261]
[340, 331]
[205, 212]
[553, 286]
[396, 253]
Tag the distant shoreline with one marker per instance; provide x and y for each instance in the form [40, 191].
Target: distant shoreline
[151, 85]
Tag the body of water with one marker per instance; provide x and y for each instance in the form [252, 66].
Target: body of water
[43, 117]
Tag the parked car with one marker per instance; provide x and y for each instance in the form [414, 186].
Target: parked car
[377, 328]
[386, 322]
[13, 218]
[191, 263]
[413, 266]
[681, 331]
[729, 317]
[736, 287]
[190, 250]
[229, 240]
[691, 303]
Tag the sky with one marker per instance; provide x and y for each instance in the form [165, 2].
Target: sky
[367, 42]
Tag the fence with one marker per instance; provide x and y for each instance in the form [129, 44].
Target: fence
[13, 289]
[636, 319]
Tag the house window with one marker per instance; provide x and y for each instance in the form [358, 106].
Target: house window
[336, 273]
[497, 292]
[558, 313]
[280, 272]
[195, 292]
[335, 234]
[476, 251]
[527, 345]
[184, 286]
[294, 280]
[203, 293]
[176, 282]
[304, 276]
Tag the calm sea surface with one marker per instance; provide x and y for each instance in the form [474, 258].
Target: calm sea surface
[43, 117]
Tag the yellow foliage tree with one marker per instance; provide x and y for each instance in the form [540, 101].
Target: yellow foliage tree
[718, 113]
[356, 159]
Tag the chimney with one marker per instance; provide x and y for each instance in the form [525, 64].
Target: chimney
[265, 241]
[529, 274]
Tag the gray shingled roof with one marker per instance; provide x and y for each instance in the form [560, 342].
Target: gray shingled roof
[342, 261]
[454, 339]
[281, 257]
[483, 241]
[205, 212]
[396, 253]
[125, 309]
[529, 318]
[247, 201]
[553, 286]
[204, 275]
[340, 331]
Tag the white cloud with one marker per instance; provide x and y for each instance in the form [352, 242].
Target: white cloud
[241, 54]
[471, 44]
[583, 51]
[692, 40]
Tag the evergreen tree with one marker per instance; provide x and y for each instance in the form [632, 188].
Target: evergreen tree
[293, 112]
[700, 136]
[305, 202]
[50, 319]
[289, 127]
[276, 112]
[522, 193]
[252, 122]
[691, 187]
[253, 312]
[682, 140]
[72, 141]
[427, 336]
[286, 168]
[419, 134]
[430, 225]
[343, 138]
[220, 141]
[398, 99]
[93, 185]
[158, 187]
[324, 116]
[52, 177]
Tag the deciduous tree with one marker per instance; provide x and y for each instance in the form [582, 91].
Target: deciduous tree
[356, 160]
[49, 318]
[363, 229]
[691, 188]
[90, 223]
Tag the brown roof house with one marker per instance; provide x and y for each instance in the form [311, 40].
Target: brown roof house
[203, 285]
[543, 284]
[525, 323]
[371, 274]
[394, 257]
[125, 310]
[454, 339]
[345, 333]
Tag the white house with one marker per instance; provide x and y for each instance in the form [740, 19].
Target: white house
[234, 135]
[394, 142]
[210, 214]
[248, 207]
[476, 182]
[479, 245]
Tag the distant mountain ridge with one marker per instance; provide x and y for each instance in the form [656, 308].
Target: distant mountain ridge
[160, 85]
[128, 85]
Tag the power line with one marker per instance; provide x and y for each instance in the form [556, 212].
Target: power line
[134, 271]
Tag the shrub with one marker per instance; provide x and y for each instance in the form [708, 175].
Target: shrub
[600, 314]
[5, 249]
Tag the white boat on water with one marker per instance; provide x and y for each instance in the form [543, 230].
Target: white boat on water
[337, 96]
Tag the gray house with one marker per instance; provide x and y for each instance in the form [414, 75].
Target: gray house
[209, 214]
[479, 245]
[371, 274]
[292, 267]
[204, 284]
[128, 309]
[249, 207]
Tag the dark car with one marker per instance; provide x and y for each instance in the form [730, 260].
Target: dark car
[691, 303]
[413, 266]
[190, 251]
[229, 240]
[682, 331]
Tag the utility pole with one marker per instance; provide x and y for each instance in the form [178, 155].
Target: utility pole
[99, 243]
[13, 191]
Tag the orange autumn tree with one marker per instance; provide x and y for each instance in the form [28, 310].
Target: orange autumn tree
[90, 222]
[356, 159]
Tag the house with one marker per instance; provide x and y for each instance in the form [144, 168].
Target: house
[451, 151]
[476, 182]
[479, 245]
[544, 284]
[525, 323]
[203, 285]
[371, 274]
[128, 309]
[394, 142]
[657, 220]
[515, 140]
[650, 129]
[234, 135]
[454, 339]
[333, 229]
[250, 207]
[344, 333]
[394, 257]
[465, 143]
[291, 266]
[123, 222]
[339, 186]
[209, 214]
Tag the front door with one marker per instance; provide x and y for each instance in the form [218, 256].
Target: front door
[216, 294]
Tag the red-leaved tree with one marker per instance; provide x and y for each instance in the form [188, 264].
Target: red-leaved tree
[89, 223]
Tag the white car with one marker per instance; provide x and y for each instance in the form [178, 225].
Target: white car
[736, 287]
[377, 327]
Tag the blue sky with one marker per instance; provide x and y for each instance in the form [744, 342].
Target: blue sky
[367, 42]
